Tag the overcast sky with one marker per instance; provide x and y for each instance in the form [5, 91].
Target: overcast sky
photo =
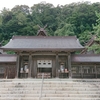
[11, 3]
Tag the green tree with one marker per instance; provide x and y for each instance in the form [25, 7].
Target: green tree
[70, 19]
[96, 46]
[65, 30]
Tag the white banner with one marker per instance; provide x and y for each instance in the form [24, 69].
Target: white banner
[44, 63]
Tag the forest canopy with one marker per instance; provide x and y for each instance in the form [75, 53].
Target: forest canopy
[76, 19]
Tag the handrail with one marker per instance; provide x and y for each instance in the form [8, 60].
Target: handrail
[41, 86]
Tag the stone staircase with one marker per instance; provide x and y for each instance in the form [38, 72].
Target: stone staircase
[53, 89]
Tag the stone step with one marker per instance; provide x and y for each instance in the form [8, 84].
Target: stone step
[29, 85]
[48, 81]
[48, 84]
[48, 98]
[53, 88]
[36, 87]
[51, 95]
[49, 91]
[51, 80]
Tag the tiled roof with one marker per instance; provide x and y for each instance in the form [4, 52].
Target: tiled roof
[77, 58]
[90, 43]
[85, 58]
[42, 43]
[7, 58]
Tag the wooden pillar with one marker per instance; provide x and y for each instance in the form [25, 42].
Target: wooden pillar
[56, 65]
[81, 71]
[95, 71]
[17, 65]
[69, 65]
[34, 71]
[30, 66]
[21, 74]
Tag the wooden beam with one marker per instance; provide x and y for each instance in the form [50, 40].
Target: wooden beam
[44, 53]
[69, 66]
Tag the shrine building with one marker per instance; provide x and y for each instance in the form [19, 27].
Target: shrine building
[55, 56]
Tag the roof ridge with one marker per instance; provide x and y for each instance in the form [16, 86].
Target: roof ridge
[15, 37]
